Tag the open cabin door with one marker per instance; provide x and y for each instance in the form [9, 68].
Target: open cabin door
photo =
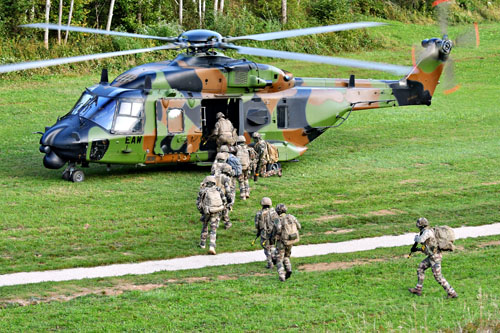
[178, 127]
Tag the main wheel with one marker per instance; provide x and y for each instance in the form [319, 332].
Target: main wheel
[78, 176]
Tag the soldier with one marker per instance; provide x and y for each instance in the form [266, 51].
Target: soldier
[223, 131]
[261, 150]
[223, 180]
[285, 233]
[242, 152]
[433, 260]
[210, 203]
[220, 161]
[254, 161]
[264, 221]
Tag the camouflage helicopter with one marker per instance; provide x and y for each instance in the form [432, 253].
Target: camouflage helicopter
[165, 112]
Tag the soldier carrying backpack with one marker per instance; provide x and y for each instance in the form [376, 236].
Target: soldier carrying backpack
[264, 222]
[210, 203]
[286, 234]
[434, 241]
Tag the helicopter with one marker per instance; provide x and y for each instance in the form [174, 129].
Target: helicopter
[165, 112]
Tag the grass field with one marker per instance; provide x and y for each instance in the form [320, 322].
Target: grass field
[374, 175]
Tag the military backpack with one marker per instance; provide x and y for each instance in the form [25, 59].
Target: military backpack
[289, 230]
[243, 156]
[445, 236]
[273, 153]
[212, 201]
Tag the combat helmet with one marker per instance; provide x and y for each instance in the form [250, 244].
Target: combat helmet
[241, 139]
[256, 135]
[224, 149]
[281, 209]
[422, 222]
[221, 157]
[226, 168]
[219, 115]
[209, 180]
[266, 201]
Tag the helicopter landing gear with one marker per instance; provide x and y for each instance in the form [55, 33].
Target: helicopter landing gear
[274, 169]
[71, 173]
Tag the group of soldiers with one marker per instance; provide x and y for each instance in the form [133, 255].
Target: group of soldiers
[235, 161]
[277, 230]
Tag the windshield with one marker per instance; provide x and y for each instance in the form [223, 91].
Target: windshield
[81, 102]
[100, 110]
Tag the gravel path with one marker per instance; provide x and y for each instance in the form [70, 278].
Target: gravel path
[201, 261]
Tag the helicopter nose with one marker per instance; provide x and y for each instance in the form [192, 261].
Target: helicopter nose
[53, 161]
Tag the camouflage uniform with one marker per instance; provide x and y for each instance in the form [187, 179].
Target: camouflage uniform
[433, 260]
[220, 161]
[207, 217]
[254, 161]
[264, 221]
[224, 182]
[283, 252]
[261, 150]
[242, 152]
[223, 131]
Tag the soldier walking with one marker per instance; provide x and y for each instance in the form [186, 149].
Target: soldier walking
[224, 181]
[223, 131]
[286, 234]
[210, 203]
[427, 238]
[264, 222]
[262, 155]
[242, 152]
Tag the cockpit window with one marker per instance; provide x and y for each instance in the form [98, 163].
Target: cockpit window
[81, 102]
[100, 110]
[129, 118]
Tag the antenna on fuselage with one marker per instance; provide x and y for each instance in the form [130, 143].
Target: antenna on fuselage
[104, 76]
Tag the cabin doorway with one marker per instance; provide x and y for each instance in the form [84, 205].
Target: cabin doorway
[232, 108]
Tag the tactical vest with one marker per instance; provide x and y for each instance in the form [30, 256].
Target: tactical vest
[430, 244]
[226, 127]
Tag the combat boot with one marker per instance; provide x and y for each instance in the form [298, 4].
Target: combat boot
[228, 225]
[288, 274]
[212, 250]
[282, 278]
[417, 291]
[202, 245]
[452, 294]
[269, 265]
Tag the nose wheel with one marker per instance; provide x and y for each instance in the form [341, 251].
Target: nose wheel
[71, 173]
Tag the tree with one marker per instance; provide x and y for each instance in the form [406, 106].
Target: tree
[180, 12]
[47, 14]
[69, 20]
[110, 15]
[283, 12]
[59, 22]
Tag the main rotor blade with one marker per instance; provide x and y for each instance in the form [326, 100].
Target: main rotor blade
[395, 69]
[94, 31]
[306, 31]
[60, 61]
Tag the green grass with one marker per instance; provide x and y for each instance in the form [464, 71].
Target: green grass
[366, 297]
[441, 162]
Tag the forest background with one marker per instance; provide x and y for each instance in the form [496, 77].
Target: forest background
[228, 17]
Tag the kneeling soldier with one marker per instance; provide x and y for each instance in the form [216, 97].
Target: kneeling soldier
[433, 260]
[264, 221]
[286, 233]
[210, 203]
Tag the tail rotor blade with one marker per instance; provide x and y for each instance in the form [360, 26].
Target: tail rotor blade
[60, 61]
[95, 31]
[450, 84]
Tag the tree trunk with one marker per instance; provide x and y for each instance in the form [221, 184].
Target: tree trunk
[283, 12]
[203, 7]
[221, 6]
[199, 12]
[69, 20]
[46, 35]
[32, 12]
[59, 22]
[180, 12]
[216, 6]
[110, 15]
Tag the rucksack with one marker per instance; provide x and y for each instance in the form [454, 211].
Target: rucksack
[265, 222]
[273, 153]
[244, 157]
[212, 201]
[235, 163]
[445, 236]
[289, 230]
